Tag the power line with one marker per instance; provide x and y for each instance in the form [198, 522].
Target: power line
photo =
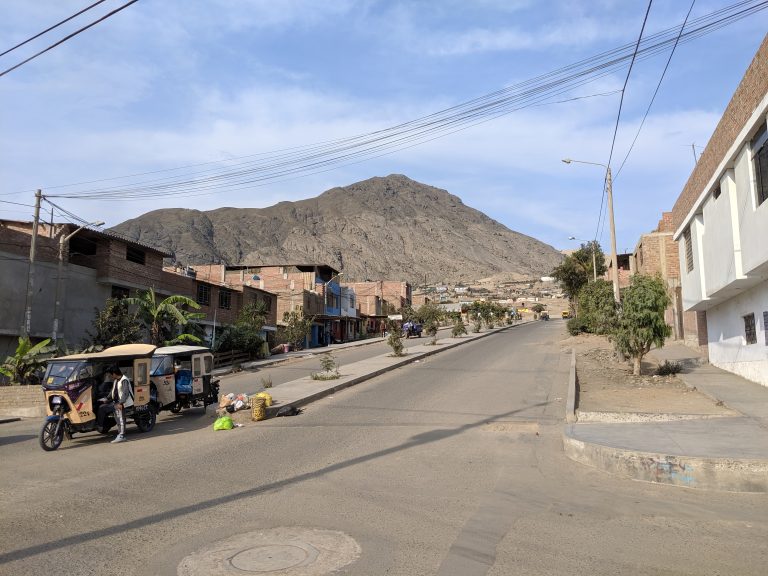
[20, 44]
[655, 92]
[73, 34]
[300, 161]
[618, 115]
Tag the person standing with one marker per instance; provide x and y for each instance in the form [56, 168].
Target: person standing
[122, 398]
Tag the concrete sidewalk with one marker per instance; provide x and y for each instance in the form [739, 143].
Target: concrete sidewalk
[729, 454]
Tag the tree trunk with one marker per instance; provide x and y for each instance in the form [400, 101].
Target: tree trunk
[637, 362]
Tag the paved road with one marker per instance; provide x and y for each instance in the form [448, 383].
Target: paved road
[452, 466]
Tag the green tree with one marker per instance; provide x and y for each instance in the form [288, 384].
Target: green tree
[296, 328]
[597, 307]
[430, 315]
[114, 324]
[25, 366]
[459, 329]
[395, 339]
[161, 318]
[245, 333]
[641, 320]
[575, 271]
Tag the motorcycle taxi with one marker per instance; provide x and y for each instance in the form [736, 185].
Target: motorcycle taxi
[74, 384]
[182, 378]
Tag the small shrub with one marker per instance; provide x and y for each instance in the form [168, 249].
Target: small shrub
[266, 382]
[458, 329]
[576, 326]
[328, 362]
[669, 368]
[477, 325]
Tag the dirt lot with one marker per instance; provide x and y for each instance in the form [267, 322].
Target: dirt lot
[607, 384]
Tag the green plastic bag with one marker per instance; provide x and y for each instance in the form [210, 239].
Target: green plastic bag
[223, 423]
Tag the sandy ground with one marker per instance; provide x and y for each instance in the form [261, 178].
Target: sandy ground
[606, 384]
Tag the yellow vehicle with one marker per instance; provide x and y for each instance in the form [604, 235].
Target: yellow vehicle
[566, 314]
[73, 385]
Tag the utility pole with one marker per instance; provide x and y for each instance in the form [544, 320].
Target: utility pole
[27, 326]
[614, 257]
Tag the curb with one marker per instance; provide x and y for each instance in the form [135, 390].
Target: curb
[721, 474]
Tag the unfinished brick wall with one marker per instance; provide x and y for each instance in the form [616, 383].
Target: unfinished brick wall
[751, 90]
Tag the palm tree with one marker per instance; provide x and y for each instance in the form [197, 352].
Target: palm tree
[164, 314]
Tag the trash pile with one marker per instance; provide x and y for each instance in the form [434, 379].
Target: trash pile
[231, 403]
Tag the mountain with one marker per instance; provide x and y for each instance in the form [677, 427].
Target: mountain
[385, 227]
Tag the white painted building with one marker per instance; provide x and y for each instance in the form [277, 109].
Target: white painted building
[723, 233]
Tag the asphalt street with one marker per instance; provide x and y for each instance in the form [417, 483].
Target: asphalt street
[450, 466]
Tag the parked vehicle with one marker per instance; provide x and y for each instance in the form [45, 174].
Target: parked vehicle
[566, 314]
[412, 329]
[182, 378]
[544, 315]
[74, 384]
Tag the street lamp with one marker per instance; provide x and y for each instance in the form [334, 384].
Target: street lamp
[63, 240]
[594, 260]
[325, 295]
[609, 192]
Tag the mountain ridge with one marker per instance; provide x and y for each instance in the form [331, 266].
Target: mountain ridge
[383, 227]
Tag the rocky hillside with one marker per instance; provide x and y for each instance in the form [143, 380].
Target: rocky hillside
[390, 227]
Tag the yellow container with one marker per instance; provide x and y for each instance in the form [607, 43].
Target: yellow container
[267, 397]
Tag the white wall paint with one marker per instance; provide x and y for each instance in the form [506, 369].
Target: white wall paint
[727, 341]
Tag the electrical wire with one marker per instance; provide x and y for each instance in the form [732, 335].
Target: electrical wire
[618, 115]
[67, 37]
[300, 161]
[36, 36]
[655, 92]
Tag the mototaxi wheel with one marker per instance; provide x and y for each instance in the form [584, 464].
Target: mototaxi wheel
[50, 439]
[145, 419]
[176, 408]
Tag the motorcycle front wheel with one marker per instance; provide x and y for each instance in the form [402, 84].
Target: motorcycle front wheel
[50, 437]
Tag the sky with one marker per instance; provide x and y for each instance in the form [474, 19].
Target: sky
[174, 83]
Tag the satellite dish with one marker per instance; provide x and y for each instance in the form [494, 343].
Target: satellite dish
[255, 277]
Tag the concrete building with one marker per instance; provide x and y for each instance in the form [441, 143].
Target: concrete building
[721, 226]
[95, 266]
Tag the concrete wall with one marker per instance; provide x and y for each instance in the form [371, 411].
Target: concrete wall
[728, 348]
[693, 282]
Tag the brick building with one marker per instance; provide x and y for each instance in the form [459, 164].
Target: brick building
[720, 223]
[312, 289]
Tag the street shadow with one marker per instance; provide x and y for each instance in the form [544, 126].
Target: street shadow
[7, 440]
[415, 441]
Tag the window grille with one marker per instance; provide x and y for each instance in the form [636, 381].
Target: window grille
[765, 326]
[688, 249]
[759, 147]
[225, 299]
[749, 329]
[135, 255]
[203, 295]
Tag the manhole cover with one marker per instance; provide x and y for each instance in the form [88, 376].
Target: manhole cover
[287, 551]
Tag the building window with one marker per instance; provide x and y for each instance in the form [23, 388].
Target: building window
[759, 149]
[765, 326]
[688, 249]
[267, 303]
[749, 328]
[118, 292]
[203, 295]
[136, 255]
[225, 299]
